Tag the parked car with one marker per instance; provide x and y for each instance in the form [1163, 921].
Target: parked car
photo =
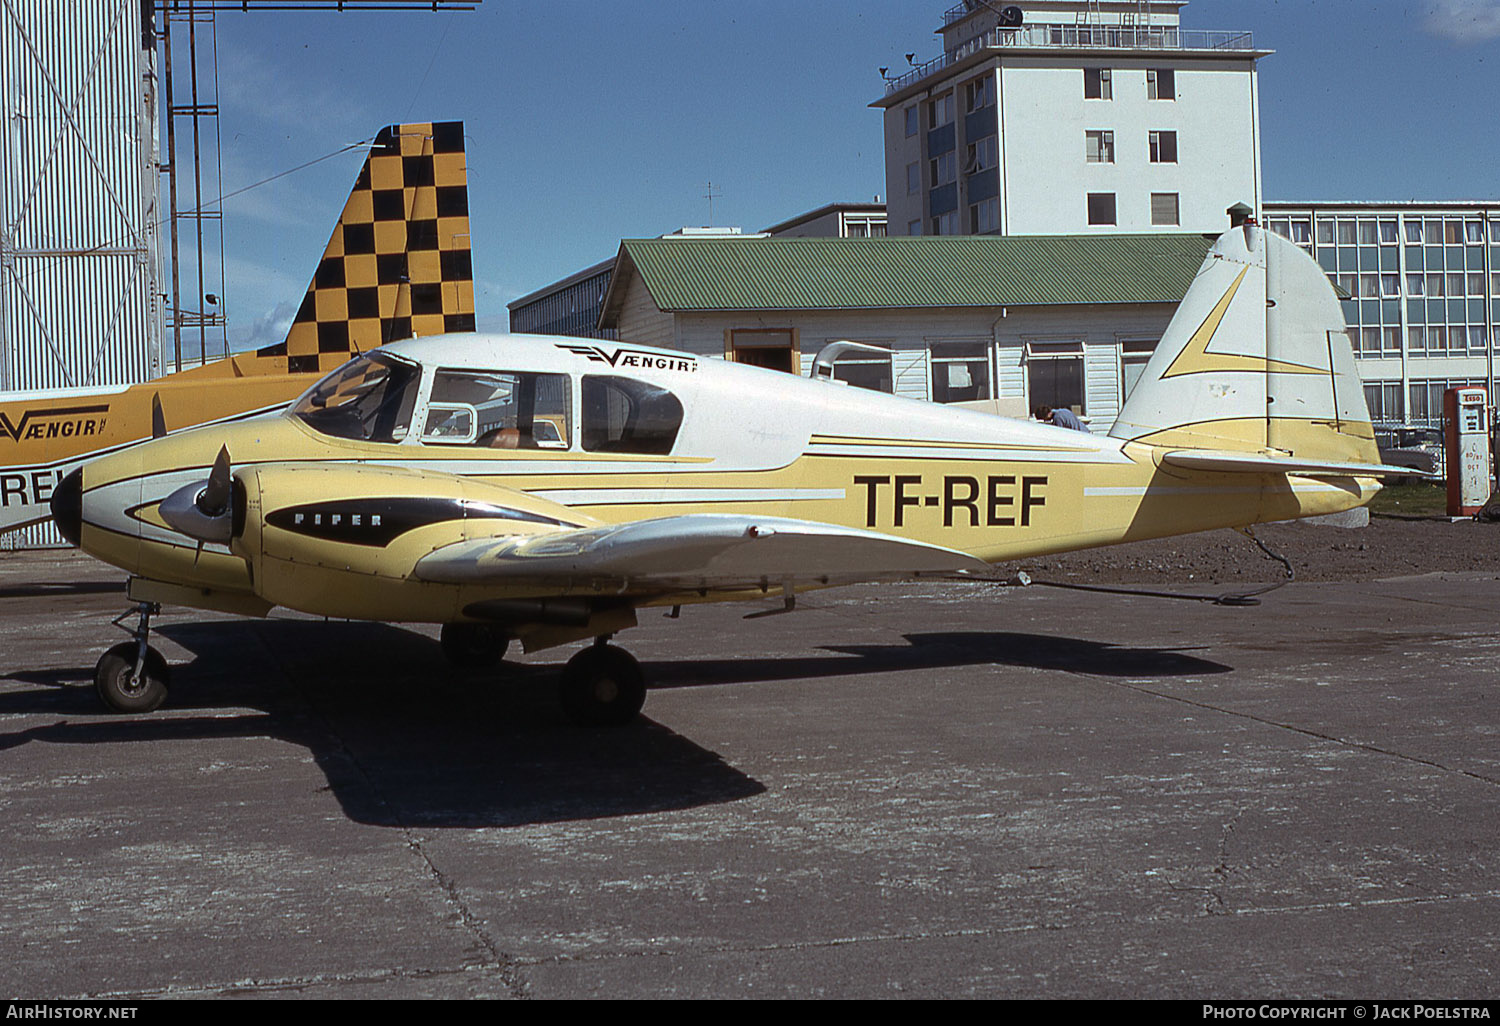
[1420, 448]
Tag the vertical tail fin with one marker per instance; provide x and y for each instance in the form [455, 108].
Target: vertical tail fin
[1256, 359]
[397, 264]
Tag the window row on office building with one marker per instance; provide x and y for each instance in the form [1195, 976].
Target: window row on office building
[1420, 289]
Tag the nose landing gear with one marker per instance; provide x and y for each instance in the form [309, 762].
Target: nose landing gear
[132, 676]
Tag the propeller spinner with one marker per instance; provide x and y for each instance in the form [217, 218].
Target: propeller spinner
[201, 510]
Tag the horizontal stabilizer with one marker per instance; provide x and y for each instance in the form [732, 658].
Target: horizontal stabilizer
[1261, 463]
[698, 550]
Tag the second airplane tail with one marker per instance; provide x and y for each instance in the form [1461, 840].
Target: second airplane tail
[397, 265]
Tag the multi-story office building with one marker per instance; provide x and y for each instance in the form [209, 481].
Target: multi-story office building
[1090, 117]
[1421, 283]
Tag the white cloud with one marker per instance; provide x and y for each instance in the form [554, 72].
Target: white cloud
[266, 330]
[1463, 21]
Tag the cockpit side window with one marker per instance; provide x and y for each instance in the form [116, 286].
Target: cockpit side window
[498, 410]
[626, 415]
[369, 399]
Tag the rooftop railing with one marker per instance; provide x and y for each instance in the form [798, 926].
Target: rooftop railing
[1123, 37]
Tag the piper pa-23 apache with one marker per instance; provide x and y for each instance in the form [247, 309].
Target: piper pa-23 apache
[544, 489]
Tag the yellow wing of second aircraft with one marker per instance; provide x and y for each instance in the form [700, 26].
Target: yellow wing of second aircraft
[398, 265]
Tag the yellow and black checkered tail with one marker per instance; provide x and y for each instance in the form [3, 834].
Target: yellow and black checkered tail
[398, 263]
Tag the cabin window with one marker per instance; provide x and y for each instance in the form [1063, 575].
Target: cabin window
[625, 415]
[498, 410]
[368, 399]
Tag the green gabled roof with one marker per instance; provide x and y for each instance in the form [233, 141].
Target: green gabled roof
[942, 271]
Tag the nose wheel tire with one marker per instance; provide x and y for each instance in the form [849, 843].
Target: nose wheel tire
[121, 689]
[603, 686]
[473, 646]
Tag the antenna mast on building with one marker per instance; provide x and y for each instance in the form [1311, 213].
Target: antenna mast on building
[709, 195]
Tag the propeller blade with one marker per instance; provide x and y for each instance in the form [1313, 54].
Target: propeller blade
[214, 499]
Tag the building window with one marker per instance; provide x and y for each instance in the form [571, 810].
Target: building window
[1346, 233]
[1163, 147]
[1164, 208]
[1101, 208]
[913, 120]
[1098, 84]
[1413, 230]
[983, 154]
[945, 224]
[1384, 401]
[960, 371]
[944, 169]
[864, 369]
[1054, 375]
[1473, 231]
[914, 227]
[760, 347]
[857, 227]
[1134, 355]
[1390, 286]
[1414, 285]
[940, 111]
[1161, 84]
[979, 93]
[1299, 231]
[913, 178]
[984, 217]
[1099, 147]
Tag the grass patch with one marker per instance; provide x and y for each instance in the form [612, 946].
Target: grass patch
[1411, 500]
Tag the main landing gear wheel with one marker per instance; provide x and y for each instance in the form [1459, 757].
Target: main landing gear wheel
[473, 646]
[124, 689]
[603, 686]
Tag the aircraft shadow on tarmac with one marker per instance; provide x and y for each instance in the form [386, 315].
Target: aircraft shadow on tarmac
[404, 740]
[942, 650]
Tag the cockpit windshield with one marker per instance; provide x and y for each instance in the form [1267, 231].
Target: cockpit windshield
[370, 399]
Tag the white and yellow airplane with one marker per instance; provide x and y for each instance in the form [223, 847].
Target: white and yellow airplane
[397, 265]
[545, 489]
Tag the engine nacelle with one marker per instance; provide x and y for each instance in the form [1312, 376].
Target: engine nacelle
[342, 539]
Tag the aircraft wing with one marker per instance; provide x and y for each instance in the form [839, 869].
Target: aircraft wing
[1261, 463]
[701, 550]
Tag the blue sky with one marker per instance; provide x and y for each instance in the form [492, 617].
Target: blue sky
[590, 122]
